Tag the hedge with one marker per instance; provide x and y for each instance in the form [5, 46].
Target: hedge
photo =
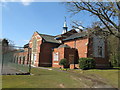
[86, 63]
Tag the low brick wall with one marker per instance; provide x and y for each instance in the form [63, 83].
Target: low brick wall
[72, 66]
[61, 66]
[77, 66]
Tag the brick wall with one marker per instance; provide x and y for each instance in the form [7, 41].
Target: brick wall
[71, 55]
[21, 57]
[60, 56]
[80, 45]
[68, 53]
[46, 53]
[37, 53]
[85, 49]
[103, 62]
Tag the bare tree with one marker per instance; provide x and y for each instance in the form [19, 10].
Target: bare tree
[107, 12]
[77, 25]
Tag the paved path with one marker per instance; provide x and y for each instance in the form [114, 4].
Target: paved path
[7, 70]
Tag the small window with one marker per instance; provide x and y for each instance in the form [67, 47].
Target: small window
[55, 57]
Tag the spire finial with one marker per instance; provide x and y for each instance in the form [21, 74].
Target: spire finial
[65, 23]
[65, 18]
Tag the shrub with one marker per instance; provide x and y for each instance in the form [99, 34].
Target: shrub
[86, 63]
[63, 62]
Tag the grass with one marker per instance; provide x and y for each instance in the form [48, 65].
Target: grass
[109, 76]
[43, 78]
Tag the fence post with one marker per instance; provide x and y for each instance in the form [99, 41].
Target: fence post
[29, 58]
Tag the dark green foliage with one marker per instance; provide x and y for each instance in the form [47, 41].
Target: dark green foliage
[86, 63]
[63, 62]
[114, 50]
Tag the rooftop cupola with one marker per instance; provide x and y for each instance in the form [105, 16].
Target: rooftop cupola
[65, 27]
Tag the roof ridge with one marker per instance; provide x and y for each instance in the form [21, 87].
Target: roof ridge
[49, 38]
[76, 35]
[46, 35]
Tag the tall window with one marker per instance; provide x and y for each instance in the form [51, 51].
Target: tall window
[19, 59]
[34, 45]
[100, 51]
[98, 47]
[23, 59]
[56, 57]
[34, 58]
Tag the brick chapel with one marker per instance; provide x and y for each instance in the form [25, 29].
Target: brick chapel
[47, 50]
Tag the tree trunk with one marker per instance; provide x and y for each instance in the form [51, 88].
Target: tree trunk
[118, 52]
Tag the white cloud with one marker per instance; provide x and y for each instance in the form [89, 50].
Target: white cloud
[9, 0]
[26, 2]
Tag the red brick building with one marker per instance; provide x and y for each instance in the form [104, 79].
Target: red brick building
[65, 35]
[22, 56]
[41, 49]
[47, 50]
[64, 51]
[93, 46]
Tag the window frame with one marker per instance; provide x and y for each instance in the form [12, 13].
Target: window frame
[56, 56]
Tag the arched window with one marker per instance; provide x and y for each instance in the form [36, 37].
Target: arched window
[100, 51]
[23, 59]
[98, 47]
[20, 60]
[34, 45]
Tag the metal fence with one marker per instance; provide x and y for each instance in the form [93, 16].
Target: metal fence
[15, 60]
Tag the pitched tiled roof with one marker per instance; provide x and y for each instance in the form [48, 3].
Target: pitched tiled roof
[20, 50]
[49, 38]
[26, 45]
[67, 33]
[76, 35]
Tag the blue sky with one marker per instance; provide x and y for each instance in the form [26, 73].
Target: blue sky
[20, 21]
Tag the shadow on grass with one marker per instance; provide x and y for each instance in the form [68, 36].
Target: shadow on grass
[17, 74]
[111, 68]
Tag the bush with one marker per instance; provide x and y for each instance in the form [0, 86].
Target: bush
[86, 63]
[63, 62]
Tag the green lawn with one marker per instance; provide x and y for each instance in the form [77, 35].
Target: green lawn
[43, 78]
[109, 76]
